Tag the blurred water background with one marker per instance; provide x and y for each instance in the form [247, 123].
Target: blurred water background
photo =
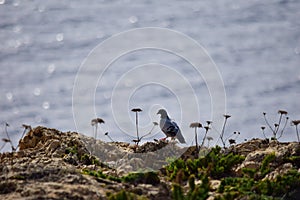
[255, 45]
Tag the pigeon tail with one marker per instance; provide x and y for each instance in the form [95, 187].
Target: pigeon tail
[180, 137]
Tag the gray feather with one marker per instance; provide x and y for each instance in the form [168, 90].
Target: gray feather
[180, 137]
[169, 127]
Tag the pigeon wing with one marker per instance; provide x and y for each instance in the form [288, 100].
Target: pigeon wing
[169, 128]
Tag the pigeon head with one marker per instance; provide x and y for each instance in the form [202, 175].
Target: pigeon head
[163, 113]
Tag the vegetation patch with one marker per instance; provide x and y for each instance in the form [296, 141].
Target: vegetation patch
[282, 186]
[124, 195]
[146, 178]
[215, 164]
[100, 174]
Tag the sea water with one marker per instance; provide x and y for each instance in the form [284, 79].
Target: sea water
[255, 46]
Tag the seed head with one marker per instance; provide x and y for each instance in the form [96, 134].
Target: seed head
[231, 141]
[209, 122]
[195, 124]
[136, 110]
[282, 112]
[27, 126]
[206, 128]
[296, 122]
[97, 121]
[227, 116]
[5, 140]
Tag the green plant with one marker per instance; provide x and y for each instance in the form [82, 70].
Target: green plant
[295, 160]
[124, 195]
[19, 177]
[283, 185]
[238, 187]
[100, 174]
[249, 173]
[72, 149]
[215, 164]
[177, 192]
[196, 192]
[218, 164]
[139, 177]
[265, 165]
[88, 159]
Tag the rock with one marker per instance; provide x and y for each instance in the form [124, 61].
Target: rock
[279, 171]
[247, 164]
[51, 164]
[53, 146]
[215, 184]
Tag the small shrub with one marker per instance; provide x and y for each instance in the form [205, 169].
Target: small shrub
[124, 195]
[99, 174]
[177, 192]
[72, 149]
[249, 173]
[265, 168]
[215, 164]
[259, 189]
[196, 192]
[146, 178]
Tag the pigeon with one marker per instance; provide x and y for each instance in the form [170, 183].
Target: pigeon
[169, 127]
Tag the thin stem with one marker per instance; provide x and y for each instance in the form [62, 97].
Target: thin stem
[23, 133]
[263, 131]
[137, 129]
[228, 137]
[204, 139]
[110, 138]
[286, 120]
[280, 118]
[297, 133]
[96, 131]
[196, 139]
[222, 133]
[11, 144]
[22, 136]
[2, 146]
[148, 133]
[269, 125]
